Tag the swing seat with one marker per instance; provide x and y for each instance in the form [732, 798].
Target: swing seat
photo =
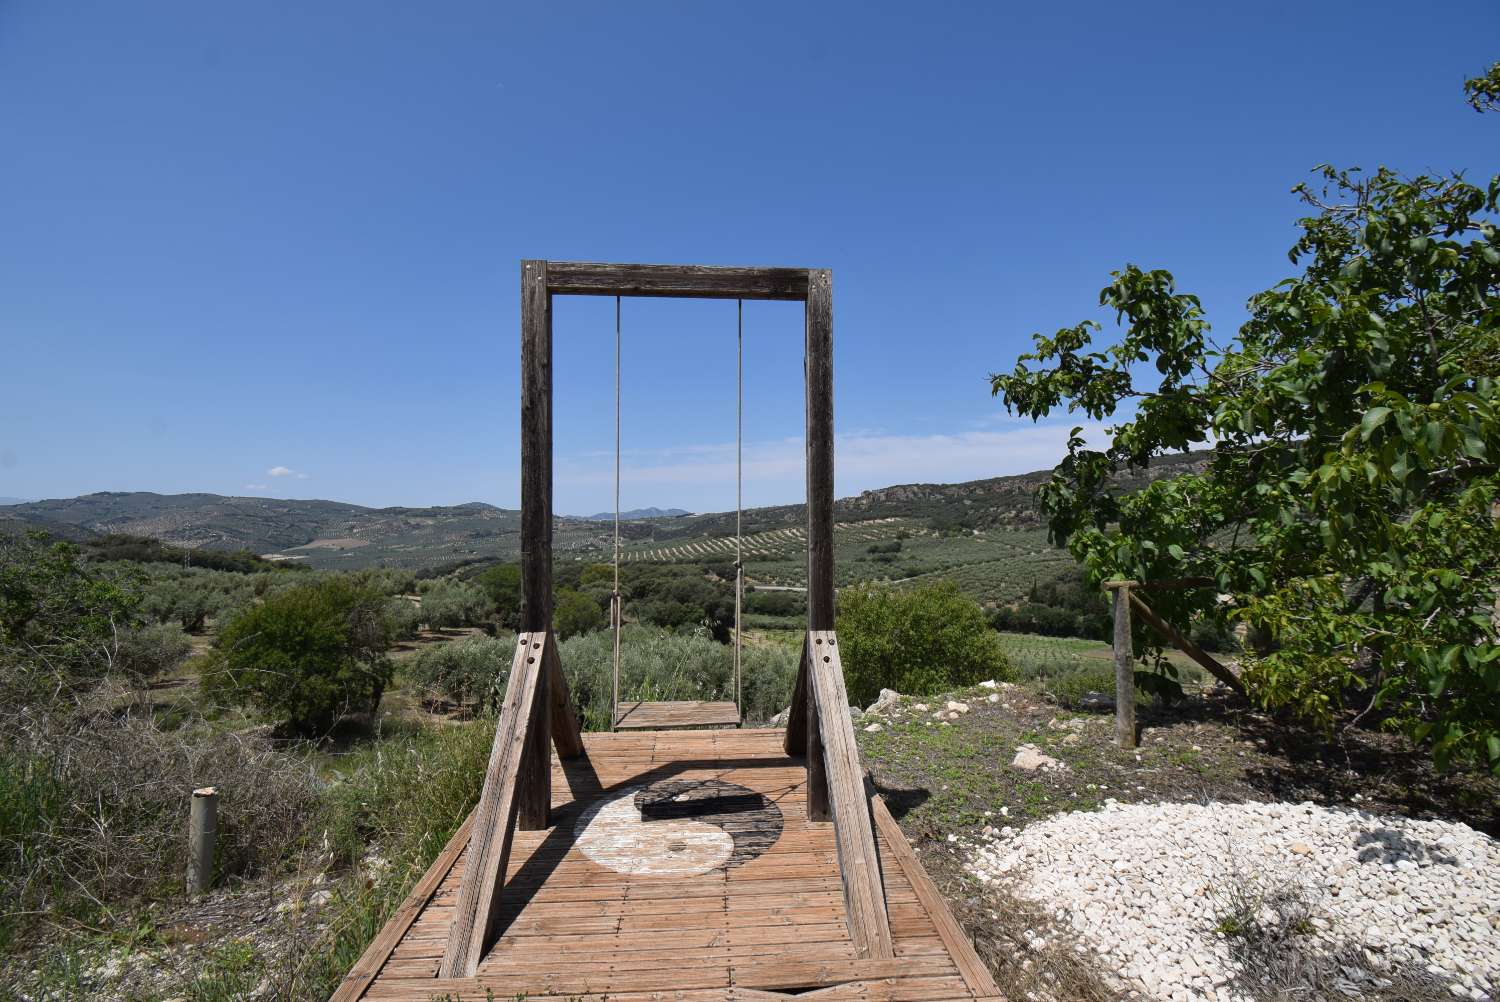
[641, 716]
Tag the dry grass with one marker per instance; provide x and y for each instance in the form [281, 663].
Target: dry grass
[1268, 930]
[96, 809]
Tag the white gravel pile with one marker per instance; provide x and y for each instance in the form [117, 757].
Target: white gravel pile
[1148, 885]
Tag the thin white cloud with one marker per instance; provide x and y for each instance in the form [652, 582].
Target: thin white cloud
[698, 476]
[283, 471]
[257, 487]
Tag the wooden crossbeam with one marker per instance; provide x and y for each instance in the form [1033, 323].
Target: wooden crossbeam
[848, 802]
[688, 281]
[517, 788]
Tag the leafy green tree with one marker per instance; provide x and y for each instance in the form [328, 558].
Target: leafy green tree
[306, 655]
[918, 641]
[573, 613]
[454, 603]
[469, 672]
[1348, 508]
[61, 619]
[502, 583]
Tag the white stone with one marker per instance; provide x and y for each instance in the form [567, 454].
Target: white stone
[1029, 758]
[1138, 884]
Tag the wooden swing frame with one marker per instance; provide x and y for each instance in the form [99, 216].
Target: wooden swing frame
[537, 713]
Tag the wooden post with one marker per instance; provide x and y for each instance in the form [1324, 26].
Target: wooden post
[536, 448]
[819, 364]
[203, 833]
[1124, 666]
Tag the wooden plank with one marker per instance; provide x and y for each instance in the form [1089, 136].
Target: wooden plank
[975, 974]
[783, 974]
[395, 929]
[781, 920]
[795, 742]
[536, 448]
[567, 736]
[683, 713]
[534, 783]
[819, 363]
[588, 278]
[1124, 671]
[817, 771]
[859, 863]
[1187, 647]
[495, 816]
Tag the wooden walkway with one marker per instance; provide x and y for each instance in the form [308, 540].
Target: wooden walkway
[679, 865]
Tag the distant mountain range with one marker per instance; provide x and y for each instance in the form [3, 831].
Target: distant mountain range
[638, 513]
[336, 534]
[6, 501]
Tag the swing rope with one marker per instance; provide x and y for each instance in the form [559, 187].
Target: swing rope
[617, 617]
[739, 486]
[615, 614]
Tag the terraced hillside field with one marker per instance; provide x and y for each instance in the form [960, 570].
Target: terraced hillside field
[993, 565]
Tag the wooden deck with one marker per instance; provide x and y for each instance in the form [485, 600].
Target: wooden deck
[679, 865]
[670, 716]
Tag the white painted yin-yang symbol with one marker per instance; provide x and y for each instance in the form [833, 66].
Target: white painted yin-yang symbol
[678, 828]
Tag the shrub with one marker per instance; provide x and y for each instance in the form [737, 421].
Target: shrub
[919, 641]
[405, 616]
[775, 603]
[454, 603]
[306, 655]
[472, 671]
[151, 650]
[60, 618]
[573, 613]
[502, 585]
[97, 814]
[1069, 688]
[659, 665]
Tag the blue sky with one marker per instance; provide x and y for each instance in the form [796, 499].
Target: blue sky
[273, 248]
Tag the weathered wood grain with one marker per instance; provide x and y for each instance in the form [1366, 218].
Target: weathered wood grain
[819, 364]
[975, 974]
[817, 770]
[495, 815]
[859, 864]
[796, 717]
[572, 928]
[645, 716]
[536, 448]
[1124, 670]
[589, 278]
[567, 736]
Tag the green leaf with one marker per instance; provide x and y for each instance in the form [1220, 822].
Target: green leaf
[1374, 418]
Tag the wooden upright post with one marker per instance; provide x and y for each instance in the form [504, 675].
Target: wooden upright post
[536, 448]
[1124, 666]
[820, 598]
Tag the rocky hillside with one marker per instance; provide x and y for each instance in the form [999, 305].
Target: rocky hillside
[336, 534]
